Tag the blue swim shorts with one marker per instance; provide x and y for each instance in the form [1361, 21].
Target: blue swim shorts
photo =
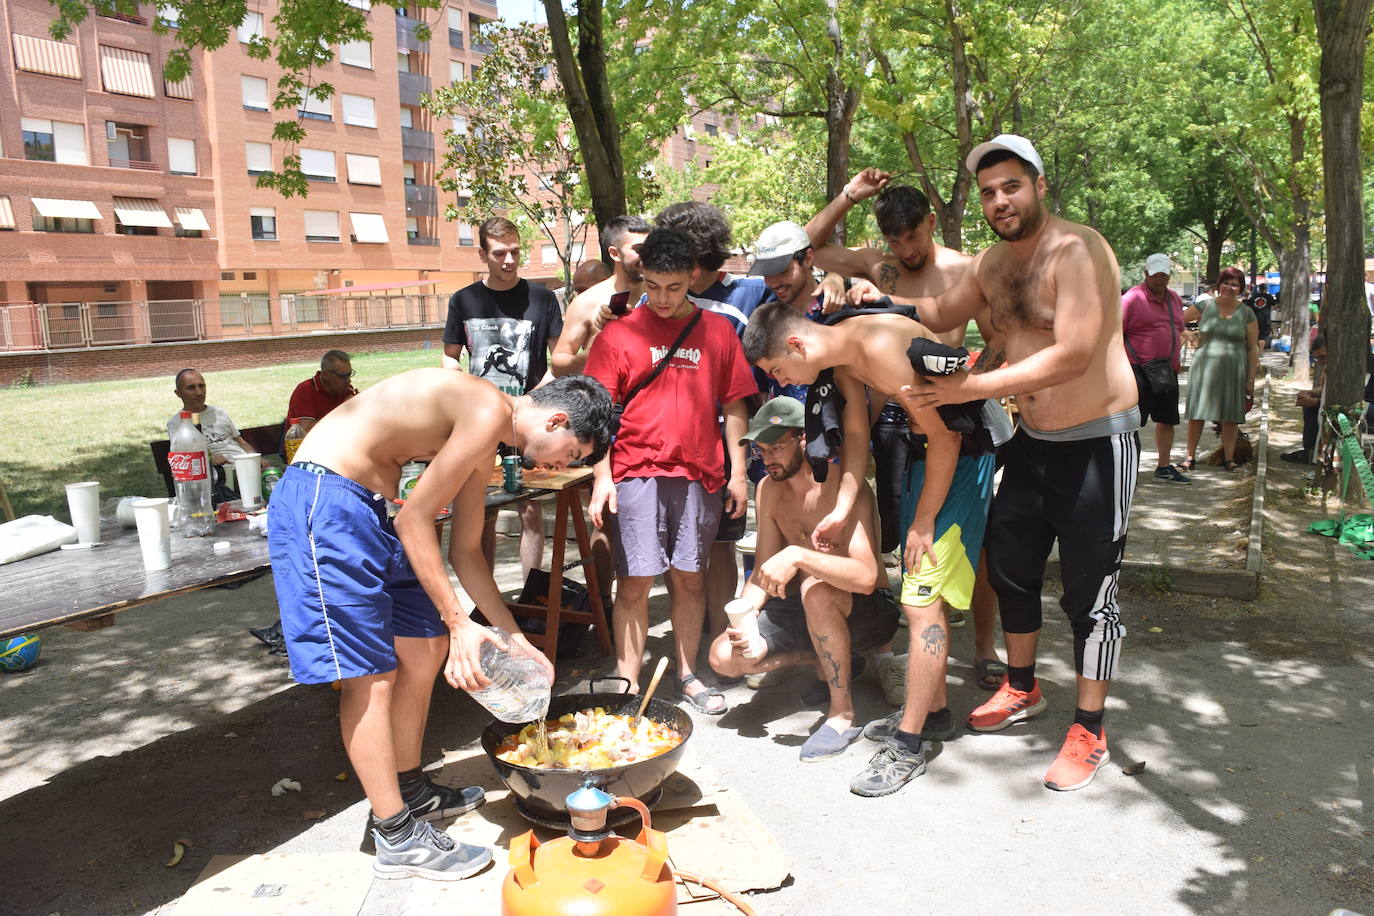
[344, 586]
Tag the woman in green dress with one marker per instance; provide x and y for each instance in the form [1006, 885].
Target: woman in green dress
[1221, 381]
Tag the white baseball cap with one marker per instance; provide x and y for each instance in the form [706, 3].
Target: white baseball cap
[1158, 264]
[777, 245]
[1012, 143]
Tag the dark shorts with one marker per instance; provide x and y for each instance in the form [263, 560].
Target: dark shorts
[1160, 406]
[344, 586]
[872, 621]
[732, 529]
[661, 522]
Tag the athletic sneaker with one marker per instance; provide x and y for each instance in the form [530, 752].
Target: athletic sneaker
[1006, 706]
[890, 769]
[1171, 474]
[440, 802]
[935, 729]
[427, 853]
[892, 676]
[1082, 755]
[957, 618]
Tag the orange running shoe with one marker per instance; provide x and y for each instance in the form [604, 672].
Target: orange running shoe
[1006, 706]
[1079, 759]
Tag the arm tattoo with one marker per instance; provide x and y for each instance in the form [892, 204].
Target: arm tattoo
[933, 638]
[886, 279]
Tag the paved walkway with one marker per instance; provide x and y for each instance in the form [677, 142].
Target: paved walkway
[1254, 719]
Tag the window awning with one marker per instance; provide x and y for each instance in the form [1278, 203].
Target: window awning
[62, 208]
[369, 227]
[140, 211]
[126, 72]
[192, 218]
[6, 214]
[40, 55]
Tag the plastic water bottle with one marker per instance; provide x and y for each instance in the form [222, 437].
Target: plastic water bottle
[190, 463]
[519, 689]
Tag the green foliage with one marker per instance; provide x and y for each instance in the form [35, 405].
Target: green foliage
[513, 153]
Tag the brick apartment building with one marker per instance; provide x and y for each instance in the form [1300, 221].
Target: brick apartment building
[117, 187]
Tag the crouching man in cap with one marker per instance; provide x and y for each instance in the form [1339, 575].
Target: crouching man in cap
[815, 608]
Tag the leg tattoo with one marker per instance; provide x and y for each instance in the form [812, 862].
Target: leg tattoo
[933, 639]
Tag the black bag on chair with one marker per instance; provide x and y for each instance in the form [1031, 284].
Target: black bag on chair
[575, 597]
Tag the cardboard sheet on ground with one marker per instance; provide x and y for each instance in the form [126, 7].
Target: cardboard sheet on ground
[711, 832]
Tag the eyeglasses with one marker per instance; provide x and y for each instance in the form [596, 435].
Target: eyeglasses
[343, 375]
[777, 448]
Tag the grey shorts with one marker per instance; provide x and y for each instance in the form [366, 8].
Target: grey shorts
[872, 621]
[661, 522]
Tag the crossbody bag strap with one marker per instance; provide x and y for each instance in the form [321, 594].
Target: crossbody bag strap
[662, 363]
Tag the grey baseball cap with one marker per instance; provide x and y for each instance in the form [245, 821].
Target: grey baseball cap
[777, 245]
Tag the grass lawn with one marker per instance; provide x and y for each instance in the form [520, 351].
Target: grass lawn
[59, 434]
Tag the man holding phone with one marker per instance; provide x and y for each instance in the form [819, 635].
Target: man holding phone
[622, 289]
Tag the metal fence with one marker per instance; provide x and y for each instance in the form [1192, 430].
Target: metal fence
[89, 325]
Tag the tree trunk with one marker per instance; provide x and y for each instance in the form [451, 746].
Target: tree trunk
[841, 104]
[1342, 27]
[592, 116]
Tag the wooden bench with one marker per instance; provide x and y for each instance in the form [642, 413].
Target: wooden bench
[264, 439]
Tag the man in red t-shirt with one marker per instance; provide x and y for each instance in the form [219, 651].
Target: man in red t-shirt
[330, 387]
[662, 486]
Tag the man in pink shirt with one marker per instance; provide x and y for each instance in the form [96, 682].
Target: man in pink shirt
[1151, 326]
[662, 487]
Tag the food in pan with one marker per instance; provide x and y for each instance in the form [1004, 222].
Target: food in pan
[592, 739]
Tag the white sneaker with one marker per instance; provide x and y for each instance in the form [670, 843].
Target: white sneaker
[427, 853]
[892, 677]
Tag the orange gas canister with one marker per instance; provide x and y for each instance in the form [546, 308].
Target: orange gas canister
[591, 871]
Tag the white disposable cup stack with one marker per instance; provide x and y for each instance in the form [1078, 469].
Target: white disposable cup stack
[745, 618]
[83, 499]
[154, 532]
[250, 483]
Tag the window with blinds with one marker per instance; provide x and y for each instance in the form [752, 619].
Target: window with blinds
[42, 55]
[363, 169]
[181, 156]
[359, 110]
[125, 72]
[318, 164]
[321, 225]
[259, 157]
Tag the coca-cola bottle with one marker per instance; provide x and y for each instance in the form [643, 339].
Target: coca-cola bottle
[190, 463]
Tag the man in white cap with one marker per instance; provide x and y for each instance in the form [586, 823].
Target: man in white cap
[1152, 328]
[784, 258]
[1069, 473]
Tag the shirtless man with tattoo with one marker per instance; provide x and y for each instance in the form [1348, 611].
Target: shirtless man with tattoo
[1054, 289]
[815, 607]
[914, 264]
[945, 503]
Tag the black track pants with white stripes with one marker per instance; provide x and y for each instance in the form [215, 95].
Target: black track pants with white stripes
[1079, 493]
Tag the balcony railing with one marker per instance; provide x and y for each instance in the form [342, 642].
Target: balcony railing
[413, 87]
[143, 164]
[405, 35]
[417, 145]
[421, 240]
[422, 200]
[90, 325]
[124, 17]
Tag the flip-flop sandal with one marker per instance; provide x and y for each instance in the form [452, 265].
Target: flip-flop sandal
[702, 700]
[990, 673]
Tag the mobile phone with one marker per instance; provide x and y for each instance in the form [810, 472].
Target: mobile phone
[620, 302]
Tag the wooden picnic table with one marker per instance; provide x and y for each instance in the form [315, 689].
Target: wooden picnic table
[86, 587]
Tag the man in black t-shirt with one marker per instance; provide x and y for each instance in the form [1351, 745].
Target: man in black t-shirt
[509, 327]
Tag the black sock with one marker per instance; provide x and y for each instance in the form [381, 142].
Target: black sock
[1092, 721]
[911, 743]
[414, 786]
[397, 827]
[1021, 678]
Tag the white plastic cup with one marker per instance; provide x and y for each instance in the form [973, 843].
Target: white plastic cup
[83, 499]
[154, 532]
[247, 468]
[745, 618]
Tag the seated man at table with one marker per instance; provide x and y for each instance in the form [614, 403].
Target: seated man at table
[815, 608]
[367, 601]
[316, 396]
[221, 435]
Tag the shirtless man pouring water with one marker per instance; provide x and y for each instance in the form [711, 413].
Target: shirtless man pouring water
[367, 601]
[1054, 290]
